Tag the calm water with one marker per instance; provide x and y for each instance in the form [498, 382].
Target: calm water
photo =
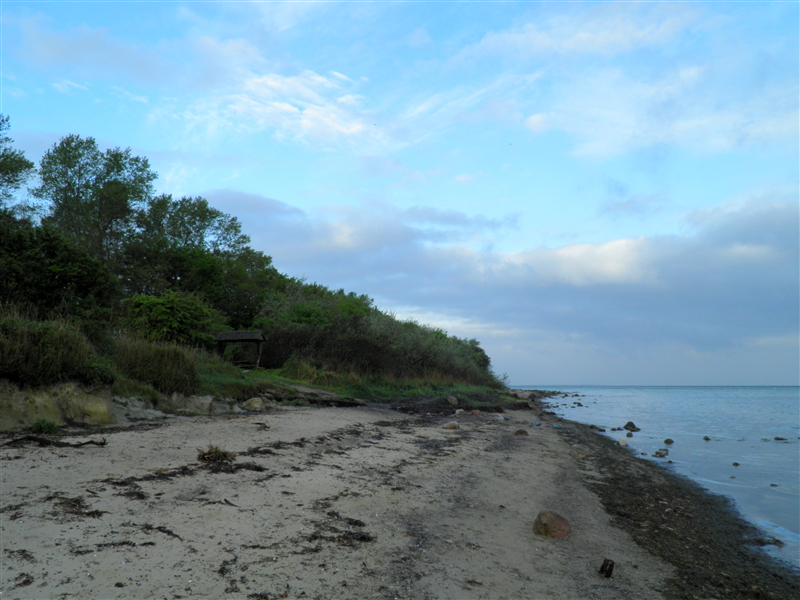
[742, 423]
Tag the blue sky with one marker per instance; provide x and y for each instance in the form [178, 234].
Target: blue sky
[601, 193]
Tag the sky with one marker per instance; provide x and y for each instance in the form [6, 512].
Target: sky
[601, 193]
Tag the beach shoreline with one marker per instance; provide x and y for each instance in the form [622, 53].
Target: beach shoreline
[365, 502]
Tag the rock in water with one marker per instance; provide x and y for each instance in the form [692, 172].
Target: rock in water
[452, 400]
[551, 524]
[669, 441]
[450, 425]
[630, 426]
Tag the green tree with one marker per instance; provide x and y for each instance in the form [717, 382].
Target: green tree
[190, 222]
[186, 245]
[14, 167]
[41, 269]
[93, 196]
[173, 317]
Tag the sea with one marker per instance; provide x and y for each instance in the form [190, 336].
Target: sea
[756, 427]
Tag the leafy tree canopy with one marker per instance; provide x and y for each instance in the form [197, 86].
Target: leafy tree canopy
[190, 222]
[14, 167]
[42, 269]
[93, 196]
[173, 317]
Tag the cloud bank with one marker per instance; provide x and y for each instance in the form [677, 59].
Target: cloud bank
[727, 287]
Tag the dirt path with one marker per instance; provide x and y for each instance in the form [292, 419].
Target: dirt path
[319, 503]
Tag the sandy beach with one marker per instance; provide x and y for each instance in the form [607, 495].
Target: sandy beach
[357, 502]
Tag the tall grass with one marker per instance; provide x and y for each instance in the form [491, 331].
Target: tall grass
[45, 352]
[167, 367]
[171, 368]
[377, 345]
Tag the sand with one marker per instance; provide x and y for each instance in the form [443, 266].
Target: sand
[318, 503]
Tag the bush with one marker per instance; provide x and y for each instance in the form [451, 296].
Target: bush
[46, 352]
[167, 367]
[44, 426]
[345, 333]
[173, 317]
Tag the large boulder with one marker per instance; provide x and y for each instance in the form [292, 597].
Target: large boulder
[549, 523]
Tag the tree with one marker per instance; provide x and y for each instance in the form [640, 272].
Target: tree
[173, 317]
[39, 268]
[191, 222]
[14, 167]
[93, 196]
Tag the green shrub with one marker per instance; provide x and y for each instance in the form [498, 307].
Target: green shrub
[173, 317]
[130, 388]
[44, 426]
[46, 352]
[312, 332]
[167, 367]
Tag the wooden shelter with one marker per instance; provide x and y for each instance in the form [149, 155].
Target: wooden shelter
[236, 337]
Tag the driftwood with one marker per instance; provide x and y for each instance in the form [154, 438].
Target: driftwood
[46, 442]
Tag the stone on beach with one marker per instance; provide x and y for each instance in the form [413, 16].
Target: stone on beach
[549, 523]
[254, 404]
[520, 432]
[623, 442]
[450, 425]
[475, 412]
[452, 400]
[579, 451]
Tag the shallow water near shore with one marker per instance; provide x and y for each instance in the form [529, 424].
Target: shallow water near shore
[742, 424]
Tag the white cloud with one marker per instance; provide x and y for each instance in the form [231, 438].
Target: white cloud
[609, 113]
[536, 123]
[607, 30]
[418, 38]
[65, 85]
[464, 178]
[616, 262]
[129, 96]
[305, 107]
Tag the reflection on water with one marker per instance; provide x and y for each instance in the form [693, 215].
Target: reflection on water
[741, 424]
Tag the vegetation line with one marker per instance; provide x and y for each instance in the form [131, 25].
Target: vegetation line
[108, 283]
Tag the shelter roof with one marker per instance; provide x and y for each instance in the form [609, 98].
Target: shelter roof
[240, 336]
